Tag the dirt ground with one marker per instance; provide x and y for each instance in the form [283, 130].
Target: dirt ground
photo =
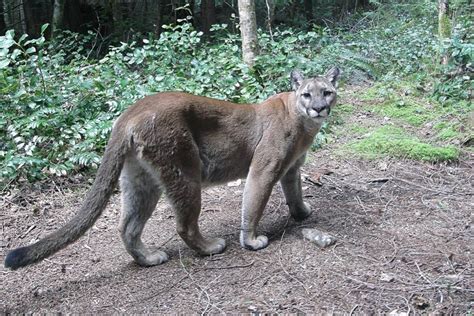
[404, 245]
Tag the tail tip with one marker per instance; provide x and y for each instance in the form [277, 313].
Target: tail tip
[16, 258]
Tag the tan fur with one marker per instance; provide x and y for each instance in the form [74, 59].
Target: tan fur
[177, 143]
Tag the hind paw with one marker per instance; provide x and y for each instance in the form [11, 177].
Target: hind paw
[152, 259]
[213, 246]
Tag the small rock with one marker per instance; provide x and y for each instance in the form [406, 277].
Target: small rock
[387, 277]
[252, 308]
[383, 166]
[38, 292]
[419, 302]
[318, 237]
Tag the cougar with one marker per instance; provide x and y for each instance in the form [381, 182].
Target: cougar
[178, 143]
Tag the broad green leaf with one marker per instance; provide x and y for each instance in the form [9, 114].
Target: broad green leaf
[31, 50]
[44, 27]
[4, 63]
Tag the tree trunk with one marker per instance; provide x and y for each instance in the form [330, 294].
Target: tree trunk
[14, 16]
[208, 15]
[159, 17]
[21, 10]
[58, 14]
[444, 25]
[248, 30]
[6, 14]
[308, 10]
[116, 9]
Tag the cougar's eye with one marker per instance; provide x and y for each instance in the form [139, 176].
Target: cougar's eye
[306, 95]
[327, 93]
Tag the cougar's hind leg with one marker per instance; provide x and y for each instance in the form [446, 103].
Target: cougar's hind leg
[185, 195]
[181, 179]
[140, 193]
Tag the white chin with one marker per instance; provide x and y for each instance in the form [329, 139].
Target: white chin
[313, 114]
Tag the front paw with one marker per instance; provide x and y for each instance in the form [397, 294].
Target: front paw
[256, 243]
[300, 212]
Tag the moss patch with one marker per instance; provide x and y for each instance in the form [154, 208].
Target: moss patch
[406, 110]
[358, 129]
[447, 131]
[344, 109]
[395, 142]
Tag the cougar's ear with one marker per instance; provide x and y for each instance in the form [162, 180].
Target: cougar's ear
[332, 75]
[296, 78]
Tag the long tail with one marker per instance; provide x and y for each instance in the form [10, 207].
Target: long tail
[95, 202]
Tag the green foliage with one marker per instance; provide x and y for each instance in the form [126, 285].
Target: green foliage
[455, 81]
[58, 105]
[59, 98]
[395, 142]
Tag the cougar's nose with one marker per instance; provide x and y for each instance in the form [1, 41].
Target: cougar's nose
[319, 108]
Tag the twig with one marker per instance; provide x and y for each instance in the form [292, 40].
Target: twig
[359, 201]
[200, 288]
[388, 203]
[28, 231]
[58, 188]
[168, 240]
[334, 183]
[269, 17]
[283, 267]
[308, 179]
[423, 187]
[353, 309]
[368, 285]
[158, 292]
[6, 186]
[382, 180]
[231, 267]
[422, 275]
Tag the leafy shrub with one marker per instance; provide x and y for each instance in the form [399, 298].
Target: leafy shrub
[455, 80]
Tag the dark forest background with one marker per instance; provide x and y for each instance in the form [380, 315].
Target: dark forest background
[124, 18]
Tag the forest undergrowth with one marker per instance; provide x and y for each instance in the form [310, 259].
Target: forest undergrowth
[58, 103]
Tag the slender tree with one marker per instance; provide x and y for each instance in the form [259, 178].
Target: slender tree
[270, 15]
[21, 11]
[6, 14]
[58, 14]
[444, 25]
[159, 17]
[14, 15]
[248, 30]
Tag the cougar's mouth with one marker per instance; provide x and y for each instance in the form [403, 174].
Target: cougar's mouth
[315, 114]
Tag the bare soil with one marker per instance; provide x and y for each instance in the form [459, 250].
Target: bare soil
[404, 245]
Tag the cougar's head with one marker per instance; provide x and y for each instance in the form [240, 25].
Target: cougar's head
[315, 96]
